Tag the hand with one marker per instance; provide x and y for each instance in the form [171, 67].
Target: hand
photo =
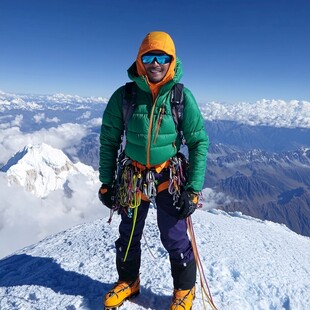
[106, 195]
[187, 204]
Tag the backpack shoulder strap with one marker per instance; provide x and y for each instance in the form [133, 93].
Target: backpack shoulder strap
[177, 93]
[129, 102]
[177, 106]
[176, 102]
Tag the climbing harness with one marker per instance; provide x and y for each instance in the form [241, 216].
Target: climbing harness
[135, 182]
[205, 290]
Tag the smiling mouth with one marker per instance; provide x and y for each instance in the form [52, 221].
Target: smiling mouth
[154, 70]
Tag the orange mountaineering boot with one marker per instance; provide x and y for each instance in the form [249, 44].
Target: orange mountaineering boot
[182, 299]
[120, 292]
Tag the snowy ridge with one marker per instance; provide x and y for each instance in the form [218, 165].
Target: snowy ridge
[14, 100]
[278, 113]
[41, 169]
[249, 264]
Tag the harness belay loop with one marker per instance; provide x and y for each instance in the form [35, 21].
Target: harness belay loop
[134, 182]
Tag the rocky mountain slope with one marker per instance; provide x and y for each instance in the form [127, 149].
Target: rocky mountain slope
[264, 185]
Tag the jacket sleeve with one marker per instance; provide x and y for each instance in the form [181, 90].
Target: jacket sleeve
[197, 142]
[112, 129]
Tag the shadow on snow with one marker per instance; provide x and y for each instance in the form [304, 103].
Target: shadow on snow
[23, 269]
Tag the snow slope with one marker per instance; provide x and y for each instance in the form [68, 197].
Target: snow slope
[249, 264]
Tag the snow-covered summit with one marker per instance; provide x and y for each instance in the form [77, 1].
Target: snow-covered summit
[249, 264]
[41, 169]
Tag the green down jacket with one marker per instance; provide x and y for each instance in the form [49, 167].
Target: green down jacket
[151, 136]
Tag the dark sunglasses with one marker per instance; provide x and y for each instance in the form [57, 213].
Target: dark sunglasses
[160, 58]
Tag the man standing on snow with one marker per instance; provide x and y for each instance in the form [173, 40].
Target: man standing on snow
[152, 170]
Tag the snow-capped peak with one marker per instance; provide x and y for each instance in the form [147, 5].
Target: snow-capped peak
[41, 168]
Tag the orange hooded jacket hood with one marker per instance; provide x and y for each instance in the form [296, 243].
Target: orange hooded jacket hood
[157, 40]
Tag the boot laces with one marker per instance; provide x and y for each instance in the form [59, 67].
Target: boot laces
[180, 297]
[120, 286]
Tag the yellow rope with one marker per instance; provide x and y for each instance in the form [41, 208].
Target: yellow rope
[132, 230]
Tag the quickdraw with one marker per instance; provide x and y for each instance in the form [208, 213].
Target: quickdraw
[150, 190]
[177, 176]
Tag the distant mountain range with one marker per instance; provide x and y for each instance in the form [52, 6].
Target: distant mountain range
[258, 158]
[274, 113]
[268, 186]
[267, 138]
[264, 185]
[236, 136]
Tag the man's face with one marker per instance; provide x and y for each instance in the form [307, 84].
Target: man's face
[154, 70]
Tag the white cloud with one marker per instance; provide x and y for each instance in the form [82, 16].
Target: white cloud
[26, 219]
[85, 115]
[39, 117]
[212, 199]
[95, 122]
[52, 120]
[17, 121]
[62, 137]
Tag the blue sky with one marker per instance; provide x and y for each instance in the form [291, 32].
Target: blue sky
[231, 50]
